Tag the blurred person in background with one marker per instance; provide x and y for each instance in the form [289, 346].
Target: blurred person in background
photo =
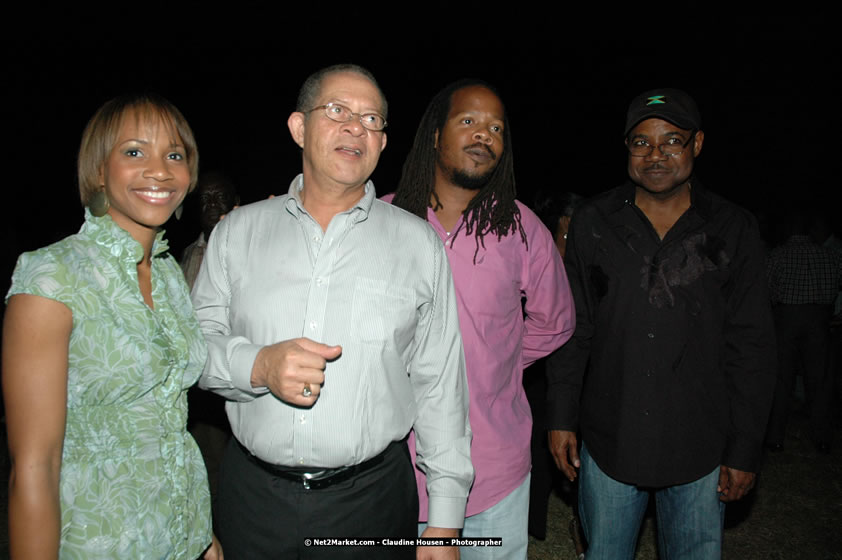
[216, 196]
[804, 281]
[555, 209]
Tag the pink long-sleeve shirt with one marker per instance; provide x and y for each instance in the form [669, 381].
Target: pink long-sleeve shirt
[499, 343]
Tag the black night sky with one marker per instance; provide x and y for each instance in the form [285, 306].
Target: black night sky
[766, 86]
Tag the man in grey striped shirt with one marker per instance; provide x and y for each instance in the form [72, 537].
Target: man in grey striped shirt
[332, 329]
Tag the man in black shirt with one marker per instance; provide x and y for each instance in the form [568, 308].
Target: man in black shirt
[675, 331]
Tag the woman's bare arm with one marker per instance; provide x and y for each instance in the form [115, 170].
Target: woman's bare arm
[36, 333]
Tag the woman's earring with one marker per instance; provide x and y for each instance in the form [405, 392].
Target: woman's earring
[99, 204]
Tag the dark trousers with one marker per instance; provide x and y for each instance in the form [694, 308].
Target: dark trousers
[262, 516]
[802, 333]
[545, 475]
[834, 360]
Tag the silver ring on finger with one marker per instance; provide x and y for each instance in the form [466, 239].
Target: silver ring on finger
[306, 392]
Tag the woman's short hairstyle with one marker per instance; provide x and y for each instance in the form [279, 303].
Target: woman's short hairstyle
[100, 136]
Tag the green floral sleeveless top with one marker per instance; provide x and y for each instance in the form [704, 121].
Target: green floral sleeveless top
[133, 484]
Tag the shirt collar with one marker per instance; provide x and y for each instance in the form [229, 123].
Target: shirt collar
[361, 208]
[700, 199]
[105, 232]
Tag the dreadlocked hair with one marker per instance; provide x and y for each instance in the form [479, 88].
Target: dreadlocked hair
[493, 209]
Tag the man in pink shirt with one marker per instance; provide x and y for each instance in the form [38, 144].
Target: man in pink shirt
[459, 177]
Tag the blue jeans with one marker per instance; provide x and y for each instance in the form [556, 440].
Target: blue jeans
[690, 516]
[507, 519]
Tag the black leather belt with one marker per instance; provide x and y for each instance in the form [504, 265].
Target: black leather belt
[314, 478]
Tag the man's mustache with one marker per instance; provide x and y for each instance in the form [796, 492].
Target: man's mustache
[484, 147]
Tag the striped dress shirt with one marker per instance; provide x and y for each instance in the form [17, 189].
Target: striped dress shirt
[376, 282]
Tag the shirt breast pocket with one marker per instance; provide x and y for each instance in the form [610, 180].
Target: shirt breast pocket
[383, 314]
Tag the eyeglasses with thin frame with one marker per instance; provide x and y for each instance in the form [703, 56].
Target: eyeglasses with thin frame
[671, 148]
[340, 113]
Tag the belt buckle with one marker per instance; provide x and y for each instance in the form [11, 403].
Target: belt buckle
[307, 477]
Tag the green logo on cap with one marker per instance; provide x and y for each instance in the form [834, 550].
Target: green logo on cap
[656, 100]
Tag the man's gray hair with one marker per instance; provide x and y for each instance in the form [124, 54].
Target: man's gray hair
[309, 92]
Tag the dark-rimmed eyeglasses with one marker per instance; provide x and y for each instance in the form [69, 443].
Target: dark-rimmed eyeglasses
[671, 148]
[341, 113]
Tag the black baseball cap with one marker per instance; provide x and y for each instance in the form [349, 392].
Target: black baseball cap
[670, 104]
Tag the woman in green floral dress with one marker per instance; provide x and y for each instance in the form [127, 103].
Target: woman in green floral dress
[100, 345]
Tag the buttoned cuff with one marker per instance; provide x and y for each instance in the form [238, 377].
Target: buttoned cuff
[242, 361]
[446, 513]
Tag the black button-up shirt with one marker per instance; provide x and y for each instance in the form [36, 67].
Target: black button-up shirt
[676, 335]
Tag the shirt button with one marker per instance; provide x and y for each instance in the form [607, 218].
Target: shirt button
[648, 373]
[651, 335]
[301, 460]
[318, 281]
[316, 238]
[646, 412]
[313, 325]
[447, 242]
[303, 419]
